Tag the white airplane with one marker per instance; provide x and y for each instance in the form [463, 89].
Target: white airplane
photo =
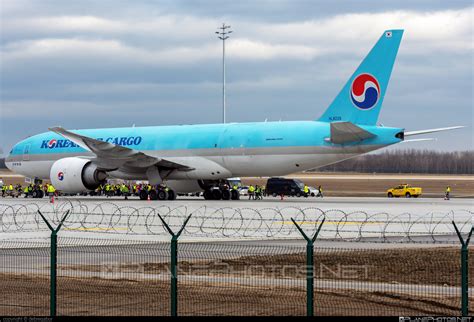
[194, 158]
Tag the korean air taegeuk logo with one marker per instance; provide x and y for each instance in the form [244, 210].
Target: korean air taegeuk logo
[365, 91]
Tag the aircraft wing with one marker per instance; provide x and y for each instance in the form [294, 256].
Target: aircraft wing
[345, 132]
[410, 133]
[112, 156]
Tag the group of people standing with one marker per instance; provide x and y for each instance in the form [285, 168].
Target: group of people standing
[256, 193]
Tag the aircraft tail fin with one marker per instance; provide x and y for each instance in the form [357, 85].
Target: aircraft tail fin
[361, 98]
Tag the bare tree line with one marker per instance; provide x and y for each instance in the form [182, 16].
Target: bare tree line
[409, 161]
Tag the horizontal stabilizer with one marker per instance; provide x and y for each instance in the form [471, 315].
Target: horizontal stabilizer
[433, 130]
[346, 132]
[419, 140]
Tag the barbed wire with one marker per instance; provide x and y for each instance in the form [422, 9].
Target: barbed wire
[228, 222]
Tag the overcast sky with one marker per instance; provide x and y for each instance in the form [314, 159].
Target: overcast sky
[92, 64]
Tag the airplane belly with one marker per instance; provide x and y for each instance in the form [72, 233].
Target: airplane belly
[277, 165]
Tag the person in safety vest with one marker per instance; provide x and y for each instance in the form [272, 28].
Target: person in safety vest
[306, 191]
[448, 190]
[125, 191]
[320, 192]
[251, 192]
[51, 191]
[107, 190]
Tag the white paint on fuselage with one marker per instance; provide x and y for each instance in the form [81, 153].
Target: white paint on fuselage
[217, 167]
[32, 169]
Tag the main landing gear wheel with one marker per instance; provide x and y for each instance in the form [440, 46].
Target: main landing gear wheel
[226, 195]
[143, 195]
[162, 195]
[171, 195]
[153, 195]
[37, 194]
[208, 195]
[234, 195]
[216, 194]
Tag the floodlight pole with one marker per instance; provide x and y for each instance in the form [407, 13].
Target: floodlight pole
[223, 35]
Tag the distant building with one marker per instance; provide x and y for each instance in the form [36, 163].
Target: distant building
[2, 163]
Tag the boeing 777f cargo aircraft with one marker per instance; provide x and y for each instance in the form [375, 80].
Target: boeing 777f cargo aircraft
[196, 157]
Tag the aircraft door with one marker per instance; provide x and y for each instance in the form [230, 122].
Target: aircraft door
[26, 152]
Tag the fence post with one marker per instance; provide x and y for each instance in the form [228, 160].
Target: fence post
[54, 262]
[464, 270]
[174, 263]
[309, 267]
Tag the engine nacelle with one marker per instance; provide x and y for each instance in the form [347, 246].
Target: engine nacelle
[76, 175]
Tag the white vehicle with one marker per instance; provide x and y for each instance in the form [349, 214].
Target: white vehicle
[313, 192]
[244, 190]
[234, 182]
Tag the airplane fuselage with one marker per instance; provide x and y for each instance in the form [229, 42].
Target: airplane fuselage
[214, 151]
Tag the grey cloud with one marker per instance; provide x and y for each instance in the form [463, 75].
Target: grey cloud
[115, 63]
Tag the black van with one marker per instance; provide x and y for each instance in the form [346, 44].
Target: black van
[282, 186]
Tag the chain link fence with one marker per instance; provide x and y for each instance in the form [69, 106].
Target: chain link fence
[417, 270]
[114, 277]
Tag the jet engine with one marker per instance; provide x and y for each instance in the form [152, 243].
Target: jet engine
[74, 175]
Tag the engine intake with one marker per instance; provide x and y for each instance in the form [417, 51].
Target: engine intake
[76, 175]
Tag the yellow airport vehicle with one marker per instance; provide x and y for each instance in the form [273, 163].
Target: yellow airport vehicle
[404, 190]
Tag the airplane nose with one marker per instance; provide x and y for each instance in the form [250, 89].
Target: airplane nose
[8, 160]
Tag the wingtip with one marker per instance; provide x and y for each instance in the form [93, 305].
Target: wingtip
[55, 128]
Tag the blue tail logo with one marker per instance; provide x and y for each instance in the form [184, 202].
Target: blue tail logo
[365, 91]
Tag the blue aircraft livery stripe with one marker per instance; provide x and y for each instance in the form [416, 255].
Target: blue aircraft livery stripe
[205, 136]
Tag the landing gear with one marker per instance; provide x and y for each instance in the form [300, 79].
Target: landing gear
[216, 194]
[143, 195]
[226, 195]
[37, 194]
[162, 195]
[171, 195]
[208, 195]
[234, 195]
[218, 190]
[159, 194]
[153, 195]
